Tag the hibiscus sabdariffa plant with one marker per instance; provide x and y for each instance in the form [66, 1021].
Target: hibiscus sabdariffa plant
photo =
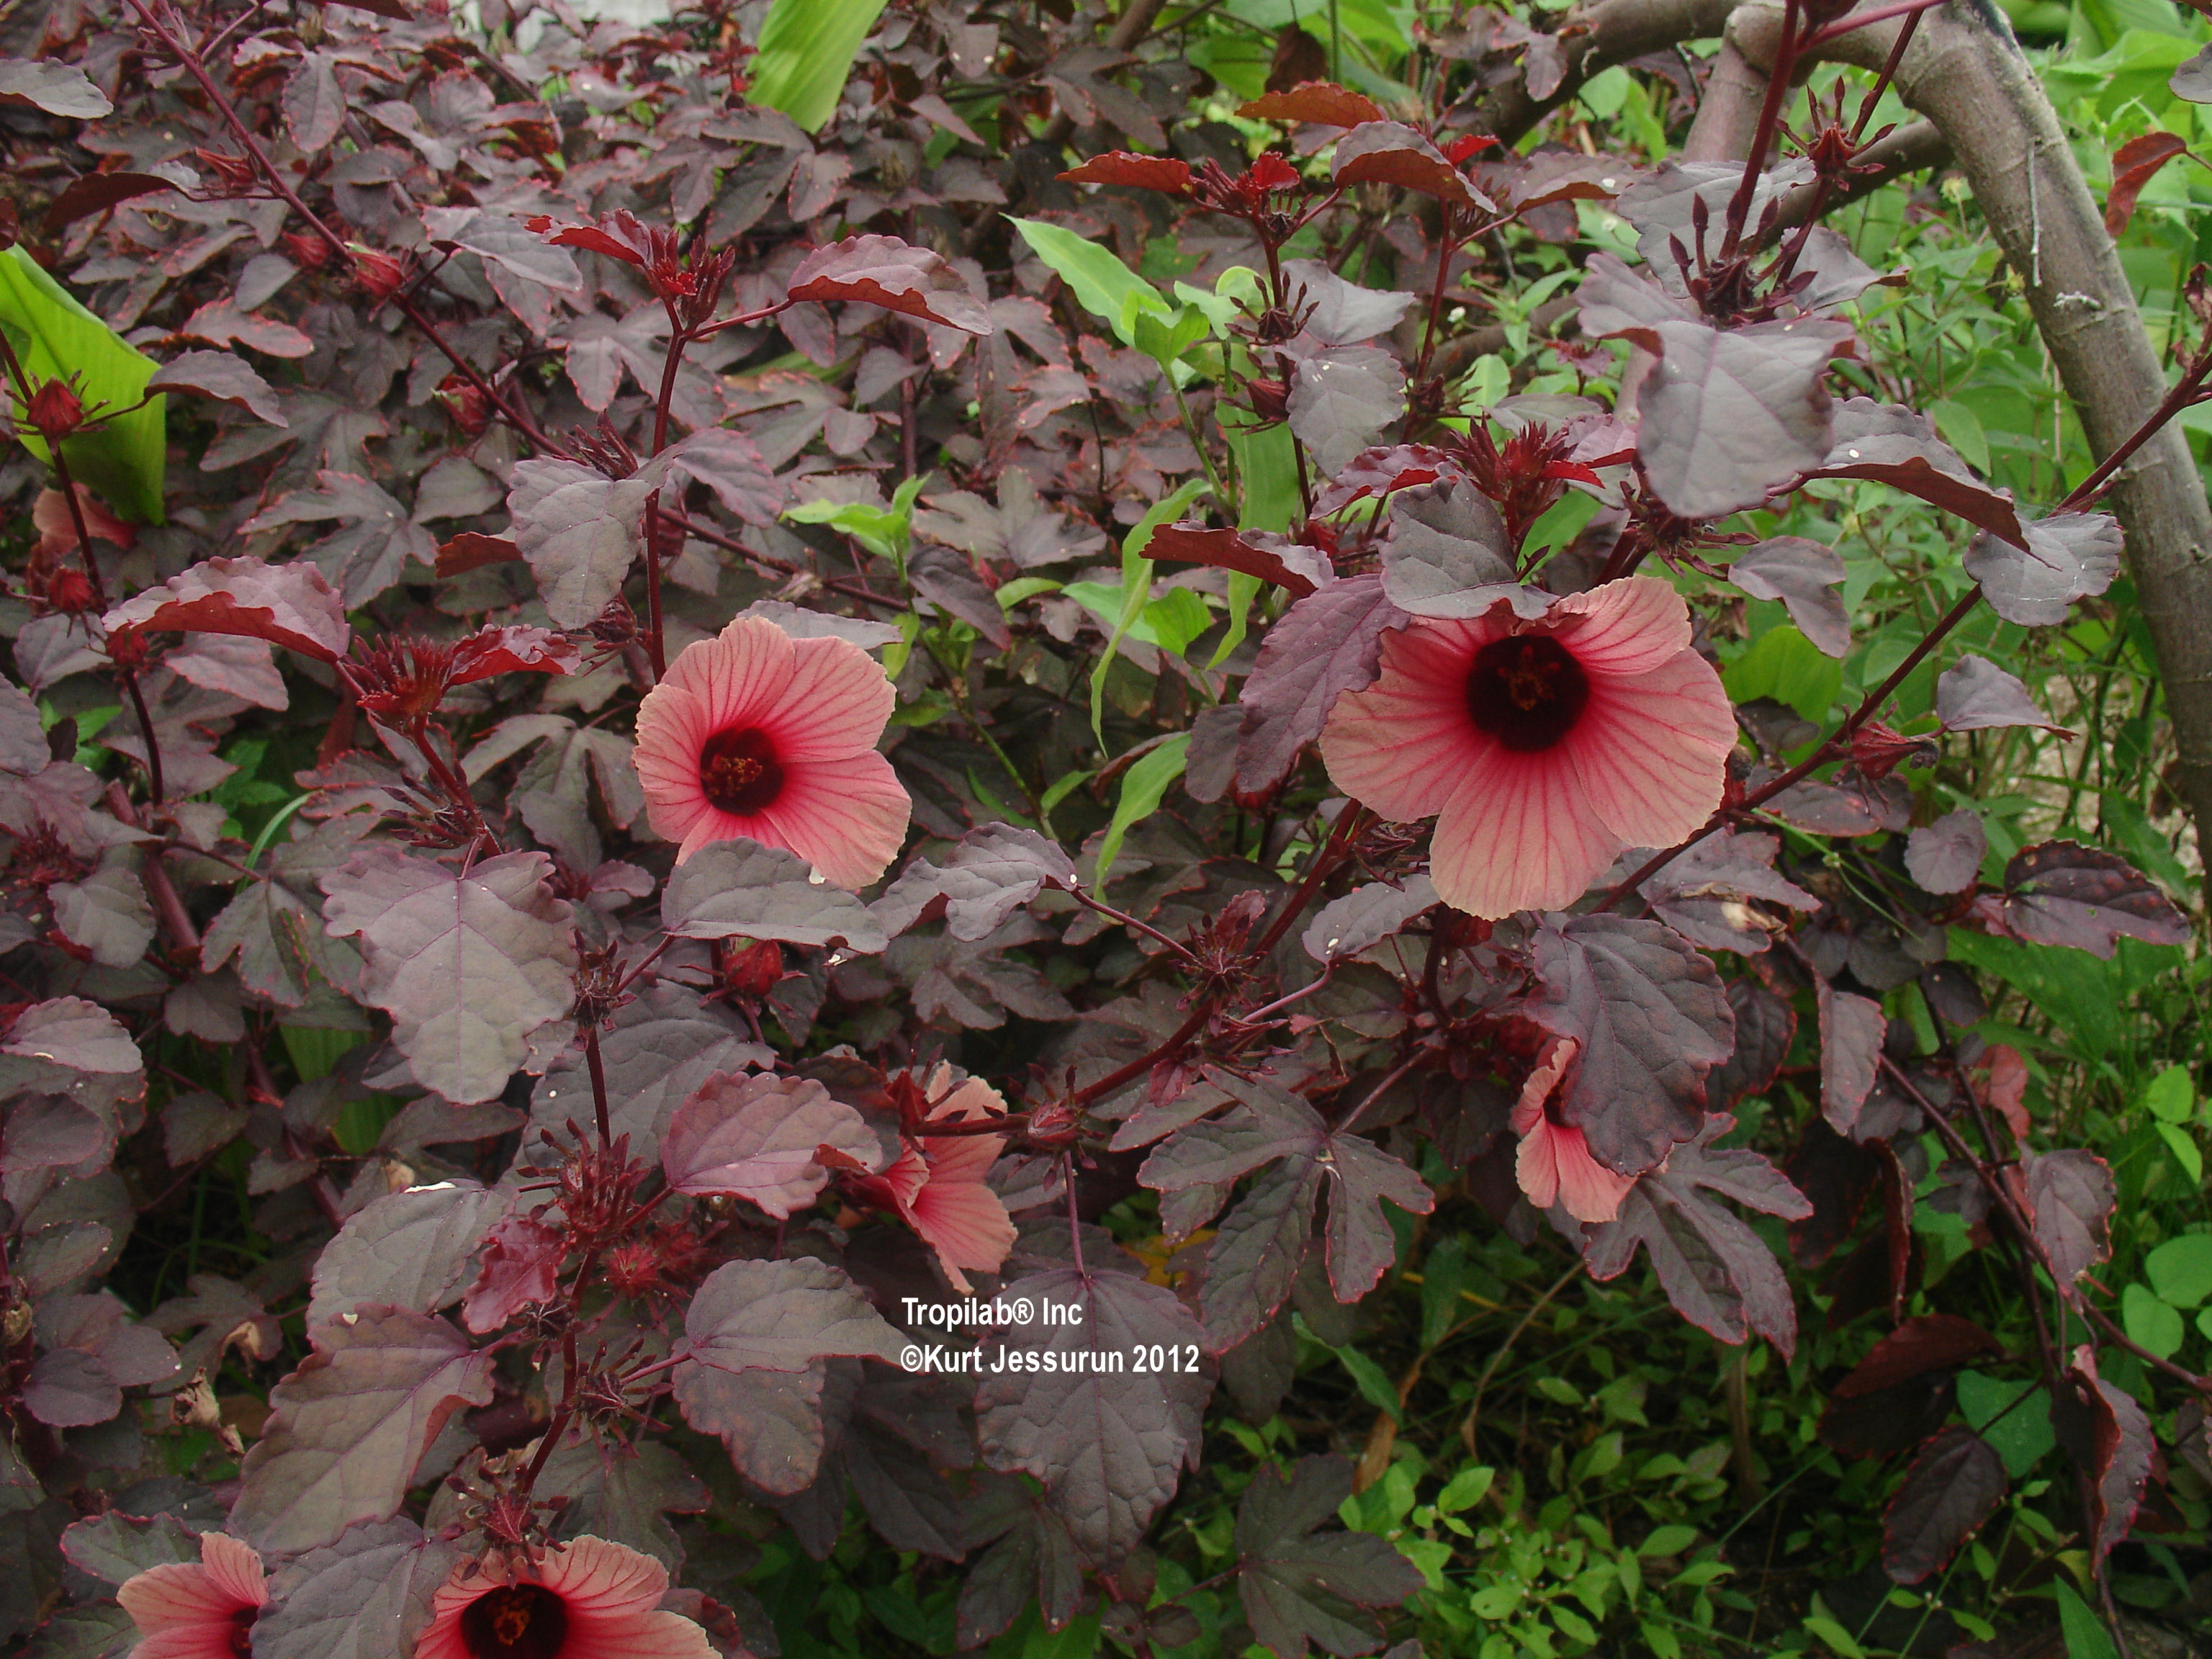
[814, 879]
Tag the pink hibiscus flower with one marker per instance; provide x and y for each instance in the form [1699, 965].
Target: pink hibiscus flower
[756, 734]
[586, 1599]
[198, 1610]
[1555, 1165]
[1543, 748]
[937, 1186]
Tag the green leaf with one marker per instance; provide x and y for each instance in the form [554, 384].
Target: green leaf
[1790, 668]
[316, 1050]
[1101, 284]
[123, 461]
[2085, 1633]
[1670, 1540]
[1136, 594]
[1961, 428]
[2169, 1096]
[2180, 1270]
[1243, 593]
[2184, 1148]
[1267, 467]
[1143, 786]
[1165, 341]
[1466, 1489]
[806, 52]
[2150, 1322]
[1834, 1634]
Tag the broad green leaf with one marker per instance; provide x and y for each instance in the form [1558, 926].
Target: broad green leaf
[1243, 593]
[2169, 1096]
[2150, 1322]
[2184, 1150]
[2085, 1633]
[1372, 1382]
[2019, 1429]
[1961, 428]
[1101, 284]
[54, 336]
[1267, 476]
[1136, 591]
[2180, 1270]
[806, 52]
[1466, 1489]
[1164, 342]
[1790, 668]
[1143, 786]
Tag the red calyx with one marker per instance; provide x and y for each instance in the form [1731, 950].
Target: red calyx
[55, 411]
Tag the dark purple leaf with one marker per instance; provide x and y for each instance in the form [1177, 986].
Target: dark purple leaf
[1379, 471]
[883, 271]
[1616, 302]
[1110, 1446]
[1651, 1017]
[96, 192]
[69, 1388]
[2070, 1200]
[54, 88]
[1330, 642]
[224, 376]
[1837, 1175]
[656, 1051]
[1335, 313]
[1975, 695]
[757, 1137]
[45, 1259]
[471, 551]
[347, 1429]
[1322, 103]
[521, 1258]
[742, 889]
[410, 1249]
[1955, 1482]
[468, 966]
[1851, 805]
[1712, 1267]
[993, 873]
[779, 1316]
[1034, 1561]
[1301, 1587]
[1851, 1031]
[1704, 893]
[2193, 79]
[514, 649]
[1764, 1026]
[288, 604]
[68, 1031]
[1341, 400]
[1727, 418]
[2069, 556]
[1946, 856]
[1446, 553]
[1390, 152]
[1890, 443]
[1804, 576]
[578, 530]
[732, 465]
[116, 1546]
[1890, 1420]
[1274, 559]
[46, 1131]
[1365, 916]
[1930, 1342]
[366, 1596]
[1253, 1259]
[2062, 893]
[1119, 166]
[2110, 1440]
[1535, 181]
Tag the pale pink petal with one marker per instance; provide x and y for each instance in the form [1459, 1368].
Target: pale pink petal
[1554, 1166]
[965, 1223]
[597, 1579]
[182, 1593]
[1402, 745]
[210, 1640]
[846, 817]
[442, 1637]
[894, 1190]
[235, 1568]
[640, 1636]
[1529, 1110]
[1517, 834]
[1625, 627]
[733, 679]
[1651, 751]
[836, 705]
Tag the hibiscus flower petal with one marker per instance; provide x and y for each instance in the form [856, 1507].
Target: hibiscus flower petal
[1625, 627]
[640, 1636]
[211, 1639]
[1529, 1110]
[1399, 745]
[965, 1223]
[1651, 751]
[235, 1568]
[846, 817]
[597, 1579]
[1536, 1164]
[1590, 1191]
[835, 704]
[1517, 834]
[174, 1595]
[734, 679]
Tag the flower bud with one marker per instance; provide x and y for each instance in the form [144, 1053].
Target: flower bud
[70, 592]
[55, 411]
[754, 971]
[380, 275]
[466, 403]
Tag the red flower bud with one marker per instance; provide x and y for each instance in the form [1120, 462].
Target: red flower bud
[1271, 400]
[1877, 751]
[754, 971]
[380, 275]
[126, 648]
[309, 252]
[70, 592]
[1271, 173]
[466, 403]
[55, 411]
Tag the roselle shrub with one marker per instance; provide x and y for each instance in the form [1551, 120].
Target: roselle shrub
[634, 958]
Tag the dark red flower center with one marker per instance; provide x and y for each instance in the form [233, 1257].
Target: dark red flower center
[1526, 691]
[516, 1622]
[740, 771]
[241, 1632]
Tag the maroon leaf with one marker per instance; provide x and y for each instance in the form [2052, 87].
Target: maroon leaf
[224, 376]
[521, 1265]
[288, 604]
[1803, 574]
[2062, 893]
[471, 551]
[378, 1578]
[1851, 805]
[757, 1138]
[1120, 166]
[1711, 1264]
[1329, 642]
[1652, 1019]
[1764, 1026]
[1379, 471]
[1295, 1583]
[882, 271]
[514, 649]
[1274, 559]
[779, 1316]
[732, 465]
[1549, 176]
[96, 192]
[619, 236]
[1851, 1031]
[993, 873]
[407, 1250]
[2068, 556]
[1896, 446]
[2135, 164]
[69, 1388]
[1953, 1484]
[1946, 856]
[349, 1425]
[1323, 103]
[1729, 418]
[1390, 152]
[395, 10]
[1889, 1420]
[2108, 1437]
[1837, 1175]
[2070, 1200]
[1975, 695]
[1704, 894]
[1930, 1342]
